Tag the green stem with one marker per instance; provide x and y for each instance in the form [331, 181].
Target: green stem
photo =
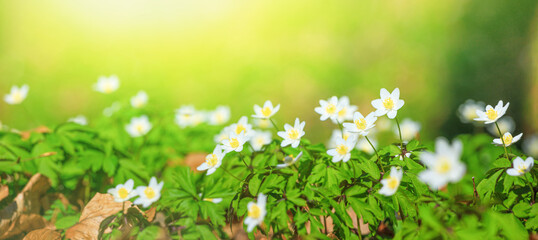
[400, 132]
[229, 173]
[341, 128]
[532, 190]
[375, 150]
[502, 139]
[358, 226]
[274, 125]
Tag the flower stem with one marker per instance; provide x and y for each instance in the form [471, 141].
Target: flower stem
[341, 128]
[400, 132]
[532, 190]
[502, 139]
[229, 173]
[375, 150]
[274, 124]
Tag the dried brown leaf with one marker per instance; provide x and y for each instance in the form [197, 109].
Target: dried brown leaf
[4, 192]
[41, 129]
[43, 234]
[194, 160]
[100, 207]
[22, 215]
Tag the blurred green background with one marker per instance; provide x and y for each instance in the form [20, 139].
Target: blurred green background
[238, 53]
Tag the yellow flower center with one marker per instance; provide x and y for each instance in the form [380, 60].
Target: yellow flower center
[208, 199]
[491, 113]
[342, 113]
[293, 134]
[288, 159]
[443, 166]
[234, 143]
[393, 183]
[331, 108]
[150, 193]
[360, 123]
[240, 128]
[219, 117]
[507, 138]
[211, 160]
[17, 96]
[123, 193]
[254, 211]
[341, 149]
[108, 88]
[266, 111]
[139, 128]
[346, 136]
[388, 103]
[260, 141]
[522, 169]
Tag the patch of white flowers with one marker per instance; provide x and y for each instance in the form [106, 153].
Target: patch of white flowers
[146, 194]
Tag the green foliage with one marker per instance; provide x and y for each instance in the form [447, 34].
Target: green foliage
[300, 197]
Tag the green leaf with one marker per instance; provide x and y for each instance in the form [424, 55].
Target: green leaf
[66, 222]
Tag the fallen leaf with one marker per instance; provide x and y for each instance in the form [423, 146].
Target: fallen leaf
[43, 234]
[23, 214]
[193, 160]
[26, 134]
[100, 207]
[4, 192]
[150, 214]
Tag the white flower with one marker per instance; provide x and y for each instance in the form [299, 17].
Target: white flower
[234, 142]
[391, 184]
[329, 109]
[116, 106]
[530, 146]
[389, 103]
[508, 139]
[520, 167]
[219, 116]
[506, 124]
[342, 152]
[364, 146]
[400, 156]
[123, 192]
[409, 129]
[262, 123]
[17, 94]
[224, 134]
[260, 139]
[444, 165]
[107, 84]
[139, 100]
[289, 160]
[149, 194]
[80, 120]
[138, 126]
[212, 160]
[256, 212]
[242, 126]
[361, 125]
[492, 114]
[292, 135]
[266, 111]
[467, 110]
[337, 134]
[185, 116]
[213, 200]
[346, 110]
